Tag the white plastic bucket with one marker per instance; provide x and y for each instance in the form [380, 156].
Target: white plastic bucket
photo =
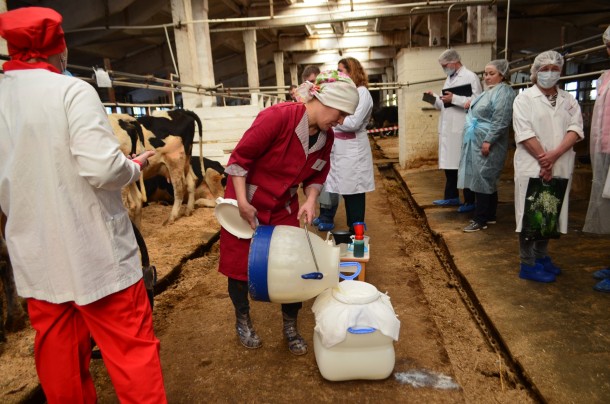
[281, 266]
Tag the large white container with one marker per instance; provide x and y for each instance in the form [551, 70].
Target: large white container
[355, 332]
[281, 265]
[364, 354]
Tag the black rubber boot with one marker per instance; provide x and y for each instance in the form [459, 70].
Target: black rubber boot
[296, 343]
[245, 332]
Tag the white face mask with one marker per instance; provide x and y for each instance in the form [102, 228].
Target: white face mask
[547, 79]
[448, 71]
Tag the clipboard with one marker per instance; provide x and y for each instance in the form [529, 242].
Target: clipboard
[464, 90]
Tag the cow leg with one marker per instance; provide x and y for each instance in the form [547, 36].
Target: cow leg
[190, 189]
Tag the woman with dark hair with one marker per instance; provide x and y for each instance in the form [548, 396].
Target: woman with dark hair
[351, 162]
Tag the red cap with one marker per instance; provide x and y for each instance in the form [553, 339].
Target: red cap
[32, 32]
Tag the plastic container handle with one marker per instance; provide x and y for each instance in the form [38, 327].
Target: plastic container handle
[350, 264]
[366, 330]
[313, 275]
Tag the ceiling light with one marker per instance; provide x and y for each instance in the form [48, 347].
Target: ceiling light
[322, 26]
[357, 23]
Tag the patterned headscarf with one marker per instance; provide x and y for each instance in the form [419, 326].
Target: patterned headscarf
[333, 89]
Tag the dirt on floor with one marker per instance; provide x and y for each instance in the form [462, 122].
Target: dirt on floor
[203, 361]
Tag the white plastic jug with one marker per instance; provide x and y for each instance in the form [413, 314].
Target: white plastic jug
[355, 331]
[281, 265]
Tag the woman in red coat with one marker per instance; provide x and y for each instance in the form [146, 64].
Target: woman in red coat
[287, 145]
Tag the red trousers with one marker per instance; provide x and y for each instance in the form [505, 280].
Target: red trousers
[121, 325]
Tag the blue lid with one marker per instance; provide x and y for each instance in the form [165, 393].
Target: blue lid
[257, 263]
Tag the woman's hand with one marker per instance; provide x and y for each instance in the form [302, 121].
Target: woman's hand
[248, 213]
[547, 159]
[485, 148]
[546, 174]
[309, 210]
[467, 104]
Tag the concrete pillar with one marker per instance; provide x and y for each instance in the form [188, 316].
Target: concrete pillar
[3, 47]
[435, 26]
[487, 24]
[294, 74]
[482, 24]
[186, 50]
[384, 93]
[389, 72]
[204, 50]
[251, 62]
[278, 58]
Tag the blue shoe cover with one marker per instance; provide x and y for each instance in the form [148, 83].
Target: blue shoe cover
[602, 274]
[536, 273]
[548, 265]
[326, 226]
[466, 207]
[315, 221]
[447, 202]
[603, 286]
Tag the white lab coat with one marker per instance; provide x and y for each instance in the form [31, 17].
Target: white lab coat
[61, 173]
[351, 161]
[533, 115]
[451, 122]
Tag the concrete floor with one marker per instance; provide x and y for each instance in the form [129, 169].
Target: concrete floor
[559, 333]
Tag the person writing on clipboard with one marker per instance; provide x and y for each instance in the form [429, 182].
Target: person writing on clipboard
[459, 89]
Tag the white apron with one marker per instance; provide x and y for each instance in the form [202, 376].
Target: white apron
[533, 115]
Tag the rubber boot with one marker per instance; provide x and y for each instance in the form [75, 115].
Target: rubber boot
[296, 343]
[245, 332]
[536, 273]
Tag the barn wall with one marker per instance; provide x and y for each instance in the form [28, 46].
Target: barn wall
[418, 120]
[223, 127]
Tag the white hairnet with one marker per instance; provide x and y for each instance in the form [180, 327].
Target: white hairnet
[606, 36]
[501, 66]
[449, 56]
[545, 59]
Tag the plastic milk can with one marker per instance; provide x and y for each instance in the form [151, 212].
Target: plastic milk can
[354, 333]
[286, 264]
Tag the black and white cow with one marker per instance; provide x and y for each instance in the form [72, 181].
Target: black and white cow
[171, 134]
[208, 186]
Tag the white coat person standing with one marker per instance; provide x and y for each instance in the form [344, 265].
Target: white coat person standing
[71, 244]
[451, 127]
[351, 161]
[547, 123]
[598, 213]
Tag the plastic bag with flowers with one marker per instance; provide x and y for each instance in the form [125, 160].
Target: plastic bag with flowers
[543, 202]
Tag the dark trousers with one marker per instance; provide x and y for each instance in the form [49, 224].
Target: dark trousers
[451, 189]
[355, 205]
[327, 212]
[530, 250]
[238, 292]
[485, 208]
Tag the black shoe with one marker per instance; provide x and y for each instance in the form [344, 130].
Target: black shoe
[474, 226]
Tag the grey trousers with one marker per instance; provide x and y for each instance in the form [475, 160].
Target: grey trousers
[530, 250]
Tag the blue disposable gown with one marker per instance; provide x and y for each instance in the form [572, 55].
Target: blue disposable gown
[488, 120]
